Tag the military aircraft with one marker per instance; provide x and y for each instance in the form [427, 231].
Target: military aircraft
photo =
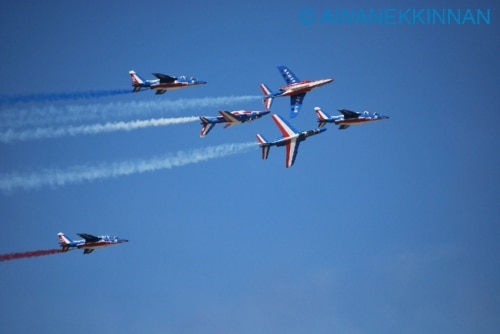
[294, 88]
[347, 118]
[291, 139]
[163, 82]
[89, 242]
[229, 117]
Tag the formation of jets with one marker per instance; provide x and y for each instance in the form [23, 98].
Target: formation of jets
[89, 242]
[295, 88]
[291, 138]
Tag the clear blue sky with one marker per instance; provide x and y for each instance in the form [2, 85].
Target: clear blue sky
[390, 227]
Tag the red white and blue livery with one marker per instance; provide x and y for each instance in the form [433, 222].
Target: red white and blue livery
[347, 118]
[89, 242]
[163, 82]
[291, 140]
[230, 118]
[295, 88]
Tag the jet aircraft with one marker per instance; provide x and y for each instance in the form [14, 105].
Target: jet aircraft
[291, 139]
[163, 82]
[347, 118]
[88, 243]
[229, 117]
[295, 88]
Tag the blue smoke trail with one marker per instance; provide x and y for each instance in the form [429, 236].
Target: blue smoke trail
[53, 97]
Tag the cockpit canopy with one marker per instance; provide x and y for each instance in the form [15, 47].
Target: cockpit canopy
[186, 78]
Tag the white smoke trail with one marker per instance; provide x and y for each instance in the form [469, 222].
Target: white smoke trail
[65, 114]
[39, 133]
[54, 178]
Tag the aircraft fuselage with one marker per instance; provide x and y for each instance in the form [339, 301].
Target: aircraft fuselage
[98, 244]
[175, 85]
[358, 121]
[302, 87]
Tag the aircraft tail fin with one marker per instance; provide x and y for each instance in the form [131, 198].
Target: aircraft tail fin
[322, 117]
[263, 143]
[64, 241]
[137, 81]
[206, 126]
[268, 99]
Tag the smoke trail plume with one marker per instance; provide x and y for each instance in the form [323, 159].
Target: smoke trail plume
[14, 181]
[40, 116]
[52, 97]
[39, 133]
[24, 255]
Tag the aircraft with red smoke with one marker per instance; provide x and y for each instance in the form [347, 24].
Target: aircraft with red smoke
[89, 242]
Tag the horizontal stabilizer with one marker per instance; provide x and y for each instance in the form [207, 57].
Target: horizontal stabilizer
[206, 126]
[265, 152]
[137, 88]
[263, 143]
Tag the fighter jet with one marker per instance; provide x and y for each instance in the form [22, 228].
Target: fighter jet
[291, 139]
[89, 242]
[163, 82]
[295, 88]
[347, 118]
[230, 118]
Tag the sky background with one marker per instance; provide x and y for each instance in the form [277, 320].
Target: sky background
[390, 227]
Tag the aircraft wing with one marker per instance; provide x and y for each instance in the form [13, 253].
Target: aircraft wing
[292, 147]
[89, 237]
[229, 117]
[349, 114]
[288, 75]
[343, 126]
[230, 124]
[87, 251]
[164, 78]
[286, 129]
[160, 91]
[296, 104]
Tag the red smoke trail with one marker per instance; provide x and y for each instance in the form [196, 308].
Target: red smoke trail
[23, 255]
